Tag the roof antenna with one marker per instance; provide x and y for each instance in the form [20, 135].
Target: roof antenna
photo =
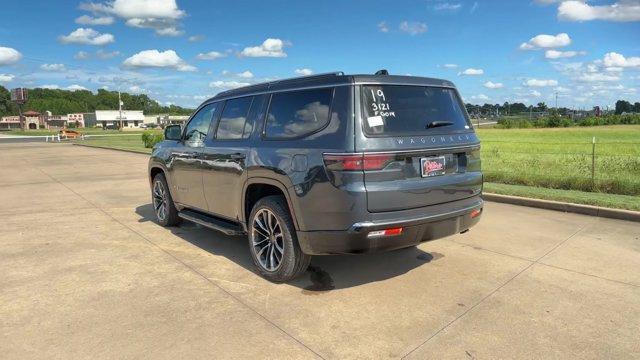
[382, 72]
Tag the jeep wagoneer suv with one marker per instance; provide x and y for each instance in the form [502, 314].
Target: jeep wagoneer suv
[324, 164]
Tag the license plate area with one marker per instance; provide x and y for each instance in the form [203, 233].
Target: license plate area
[433, 166]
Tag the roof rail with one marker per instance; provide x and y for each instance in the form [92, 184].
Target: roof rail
[270, 83]
[312, 76]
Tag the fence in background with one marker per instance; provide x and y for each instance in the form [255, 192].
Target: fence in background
[604, 166]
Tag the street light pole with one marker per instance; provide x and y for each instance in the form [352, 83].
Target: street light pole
[120, 110]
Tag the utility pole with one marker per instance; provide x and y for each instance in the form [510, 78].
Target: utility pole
[120, 110]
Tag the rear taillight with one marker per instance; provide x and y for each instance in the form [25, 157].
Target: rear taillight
[355, 162]
[475, 213]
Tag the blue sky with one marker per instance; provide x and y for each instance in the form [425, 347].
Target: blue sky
[181, 52]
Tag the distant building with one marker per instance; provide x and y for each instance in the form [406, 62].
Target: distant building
[77, 119]
[9, 122]
[111, 118]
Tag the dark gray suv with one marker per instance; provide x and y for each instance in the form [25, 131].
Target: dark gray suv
[324, 164]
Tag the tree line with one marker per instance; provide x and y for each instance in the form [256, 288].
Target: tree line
[62, 102]
[622, 106]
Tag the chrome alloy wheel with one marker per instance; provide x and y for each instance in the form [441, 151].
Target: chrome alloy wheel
[267, 240]
[160, 200]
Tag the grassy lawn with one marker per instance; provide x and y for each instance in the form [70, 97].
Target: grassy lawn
[80, 130]
[573, 196]
[122, 142]
[560, 158]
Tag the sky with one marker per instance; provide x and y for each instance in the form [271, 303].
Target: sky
[182, 52]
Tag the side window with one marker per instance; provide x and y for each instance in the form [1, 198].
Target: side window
[297, 113]
[233, 119]
[197, 128]
[255, 114]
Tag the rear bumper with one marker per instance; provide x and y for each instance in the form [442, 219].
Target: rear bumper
[418, 227]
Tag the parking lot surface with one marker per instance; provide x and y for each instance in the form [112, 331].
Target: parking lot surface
[87, 273]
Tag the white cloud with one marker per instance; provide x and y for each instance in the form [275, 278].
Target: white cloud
[480, 97]
[245, 74]
[614, 59]
[6, 77]
[304, 72]
[129, 9]
[413, 27]
[544, 41]
[156, 59]
[598, 77]
[614, 69]
[535, 93]
[76, 87]
[555, 54]
[382, 27]
[472, 72]
[446, 6]
[450, 66]
[48, 86]
[269, 48]
[623, 10]
[160, 15]
[540, 83]
[492, 85]
[81, 55]
[195, 38]
[87, 36]
[53, 67]
[211, 55]
[90, 20]
[9, 56]
[225, 85]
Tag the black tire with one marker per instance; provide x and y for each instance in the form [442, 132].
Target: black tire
[293, 262]
[160, 195]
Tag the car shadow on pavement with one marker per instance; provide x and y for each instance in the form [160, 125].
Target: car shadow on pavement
[325, 273]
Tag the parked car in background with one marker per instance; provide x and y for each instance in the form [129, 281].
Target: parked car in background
[69, 134]
[325, 164]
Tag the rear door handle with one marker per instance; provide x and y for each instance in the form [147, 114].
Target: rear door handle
[238, 156]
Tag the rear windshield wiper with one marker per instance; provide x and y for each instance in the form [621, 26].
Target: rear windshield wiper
[435, 124]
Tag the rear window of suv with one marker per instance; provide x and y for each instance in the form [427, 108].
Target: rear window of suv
[396, 110]
[298, 113]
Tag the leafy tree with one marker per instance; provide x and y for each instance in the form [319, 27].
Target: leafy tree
[65, 101]
[541, 106]
[623, 106]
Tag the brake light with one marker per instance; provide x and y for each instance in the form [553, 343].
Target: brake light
[385, 232]
[355, 162]
[475, 213]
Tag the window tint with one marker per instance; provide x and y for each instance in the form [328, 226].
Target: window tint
[255, 114]
[297, 113]
[407, 110]
[197, 128]
[234, 116]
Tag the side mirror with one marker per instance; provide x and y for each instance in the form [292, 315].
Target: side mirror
[173, 132]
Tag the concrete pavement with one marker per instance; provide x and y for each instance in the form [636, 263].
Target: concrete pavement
[86, 272]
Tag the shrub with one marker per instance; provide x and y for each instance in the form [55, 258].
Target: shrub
[150, 139]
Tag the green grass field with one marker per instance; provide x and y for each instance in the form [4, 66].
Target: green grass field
[80, 130]
[120, 142]
[560, 158]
